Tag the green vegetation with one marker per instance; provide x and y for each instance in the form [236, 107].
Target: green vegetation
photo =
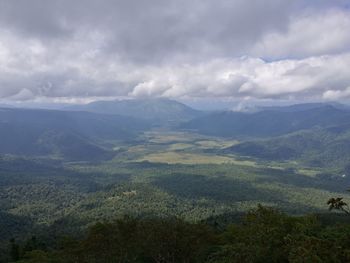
[267, 123]
[262, 235]
[320, 148]
[70, 178]
[68, 197]
[185, 158]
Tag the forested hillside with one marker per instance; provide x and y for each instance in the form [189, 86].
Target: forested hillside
[328, 147]
[69, 135]
[262, 235]
[267, 123]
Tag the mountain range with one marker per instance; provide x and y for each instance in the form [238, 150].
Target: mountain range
[72, 135]
[159, 111]
[315, 134]
[267, 123]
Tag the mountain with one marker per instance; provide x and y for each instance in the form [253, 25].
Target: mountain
[72, 135]
[326, 147]
[3, 105]
[267, 123]
[296, 107]
[305, 106]
[158, 110]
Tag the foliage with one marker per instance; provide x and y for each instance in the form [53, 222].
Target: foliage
[263, 235]
[321, 148]
[179, 189]
[338, 204]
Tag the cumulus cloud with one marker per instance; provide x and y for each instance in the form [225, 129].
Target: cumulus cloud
[85, 50]
[336, 94]
[250, 77]
[326, 32]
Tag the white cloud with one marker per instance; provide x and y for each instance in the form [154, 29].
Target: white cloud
[309, 34]
[87, 75]
[194, 50]
[22, 95]
[336, 94]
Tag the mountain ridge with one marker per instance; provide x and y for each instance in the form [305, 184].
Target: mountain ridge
[266, 123]
[73, 135]
[159, 109]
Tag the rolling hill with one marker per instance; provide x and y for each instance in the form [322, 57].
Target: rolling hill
[155, 110]
[72, 135]
[267, 123]
[326, 147]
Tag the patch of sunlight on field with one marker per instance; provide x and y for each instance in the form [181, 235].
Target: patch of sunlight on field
[185, 158]
[179, 146]
[244, 162]
[192, 158]
[209, 144]
[308, 172]
[137, 149]
[177, 137]
[167, 137]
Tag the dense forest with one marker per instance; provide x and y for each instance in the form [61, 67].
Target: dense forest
[261, 235]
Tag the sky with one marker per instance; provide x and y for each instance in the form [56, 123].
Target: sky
[78, 51]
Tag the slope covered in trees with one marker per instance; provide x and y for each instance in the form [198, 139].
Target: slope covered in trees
[70, 135]
[267, 123]
[262, 235]
[328, 147]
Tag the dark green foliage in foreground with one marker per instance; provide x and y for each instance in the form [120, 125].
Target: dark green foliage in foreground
[129, 240]
[338, 204]
[267, 235]
[263, 235]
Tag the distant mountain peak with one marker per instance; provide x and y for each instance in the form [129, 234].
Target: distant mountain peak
[159, 109]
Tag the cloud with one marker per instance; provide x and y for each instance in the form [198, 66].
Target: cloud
[155, 30]
[309, 34]
[250, 77]
[336, 94]
[83, 50]
[243, 77]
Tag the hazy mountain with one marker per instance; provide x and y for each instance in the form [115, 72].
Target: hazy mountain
[267, 123]
[315, 147]
[159, 110]
[305, 106]
[3, 105]
[72, 135]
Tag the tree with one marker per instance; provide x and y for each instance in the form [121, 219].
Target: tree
[14, 250]
[338, 204]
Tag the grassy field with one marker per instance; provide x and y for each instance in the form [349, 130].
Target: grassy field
[173, 157]
[171, 147]
[181, 148]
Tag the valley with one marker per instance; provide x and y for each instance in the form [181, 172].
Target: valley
[174, 131]
[77, 168]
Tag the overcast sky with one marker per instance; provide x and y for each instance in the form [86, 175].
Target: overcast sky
[82, 50]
